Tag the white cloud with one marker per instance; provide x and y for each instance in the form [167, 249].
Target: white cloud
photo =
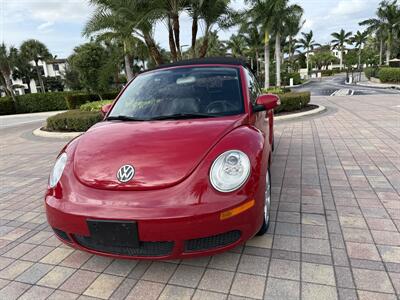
[45, 26]
[350, 7]
[50, 10]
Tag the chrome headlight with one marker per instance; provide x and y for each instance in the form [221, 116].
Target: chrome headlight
[58, 169]
[230, 171]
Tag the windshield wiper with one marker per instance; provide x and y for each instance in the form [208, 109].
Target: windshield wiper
[123, 118]
[183, 116]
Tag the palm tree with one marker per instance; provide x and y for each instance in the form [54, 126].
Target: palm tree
[387, 23]
[237, 45]
[341, 38]
[308, 44]
[253, 39]
[360, 39]
[214, 12]
[7, 61]
[23, 70]
[111, 27]
[262, 14]
[139, 15]
[35, 50]
[284, 14]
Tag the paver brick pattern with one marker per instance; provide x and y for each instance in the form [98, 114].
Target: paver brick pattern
[335, 230]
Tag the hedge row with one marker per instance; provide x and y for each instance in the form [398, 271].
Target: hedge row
[389, 75]
[76, 100]
[30, 103]
[94, 106]
[41, 102]
[73, 120]
[293, 101]
[371, 72]
[6, 106]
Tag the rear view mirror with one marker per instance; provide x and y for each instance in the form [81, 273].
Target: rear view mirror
[105, 109]
[268, 101]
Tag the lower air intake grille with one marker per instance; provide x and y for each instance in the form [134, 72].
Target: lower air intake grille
[145, 249]
[212, 242]
[61, 234]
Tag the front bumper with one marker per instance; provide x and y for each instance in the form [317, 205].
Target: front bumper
[162, 238]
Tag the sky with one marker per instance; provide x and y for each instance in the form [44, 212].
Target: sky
[59, 23]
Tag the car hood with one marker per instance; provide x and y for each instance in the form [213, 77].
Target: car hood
[163, 153]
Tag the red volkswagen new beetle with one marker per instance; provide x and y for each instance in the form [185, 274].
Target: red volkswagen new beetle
[178, 168]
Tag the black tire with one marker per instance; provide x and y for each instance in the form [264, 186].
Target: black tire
[273, 145]
[265, 225]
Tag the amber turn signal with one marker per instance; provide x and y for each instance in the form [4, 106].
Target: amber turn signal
[237, 210]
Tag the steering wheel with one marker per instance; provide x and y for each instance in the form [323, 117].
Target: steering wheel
[220, 106]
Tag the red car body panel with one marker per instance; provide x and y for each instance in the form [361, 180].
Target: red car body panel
[170, 197]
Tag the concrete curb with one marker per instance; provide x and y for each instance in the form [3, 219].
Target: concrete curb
[314, 111]
[55, 135]
[385, 86]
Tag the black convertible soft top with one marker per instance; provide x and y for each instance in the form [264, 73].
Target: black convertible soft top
[204, 61]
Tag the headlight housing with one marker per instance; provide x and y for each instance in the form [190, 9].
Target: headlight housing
[58, 169]
[230, 171]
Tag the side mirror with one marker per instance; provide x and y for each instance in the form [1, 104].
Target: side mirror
[105, 109]
[268, 101]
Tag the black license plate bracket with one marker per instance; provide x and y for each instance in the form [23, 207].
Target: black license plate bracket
[114, 233]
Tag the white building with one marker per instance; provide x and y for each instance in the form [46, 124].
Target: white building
[50, 68]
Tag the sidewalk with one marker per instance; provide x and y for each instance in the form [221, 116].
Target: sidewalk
[379, 85]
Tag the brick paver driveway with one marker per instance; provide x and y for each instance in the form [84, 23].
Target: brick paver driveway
[335, 231]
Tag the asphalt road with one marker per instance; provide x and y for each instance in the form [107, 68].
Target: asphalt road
[23, 119]
[335, 86]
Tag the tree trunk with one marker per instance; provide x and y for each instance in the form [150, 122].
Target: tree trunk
[381, 52]
[175, 24]
[388, 46]
[341, 57]
[204, 47]
[195, 28]
[278, 58]
[39, 76]
[257, 68]
[308, 61]
[7, 79]
[172, 46]
[154, 52]
[128, 68]
[4, 84]
[266, 60]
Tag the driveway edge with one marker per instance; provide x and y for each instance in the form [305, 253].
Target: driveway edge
[55, 135]
[314, 111]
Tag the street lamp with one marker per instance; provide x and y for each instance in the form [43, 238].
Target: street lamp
[182, 48]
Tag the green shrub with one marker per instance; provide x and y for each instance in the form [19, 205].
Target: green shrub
[371, 72]
[286, 78]
[39, 102]
[7, 106]
[76, 100]
[293, 101]
[276, 90]
[73, 120]
[94, 106]
[389, 75]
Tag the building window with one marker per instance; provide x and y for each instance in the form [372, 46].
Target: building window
[56, 67]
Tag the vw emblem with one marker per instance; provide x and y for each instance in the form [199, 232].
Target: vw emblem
[125, 173]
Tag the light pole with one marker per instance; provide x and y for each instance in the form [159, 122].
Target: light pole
[182, 49]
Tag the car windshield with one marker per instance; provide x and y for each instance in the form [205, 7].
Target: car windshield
[181, 93]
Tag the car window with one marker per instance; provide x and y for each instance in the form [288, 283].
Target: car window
[254, 89]
[213, 91]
